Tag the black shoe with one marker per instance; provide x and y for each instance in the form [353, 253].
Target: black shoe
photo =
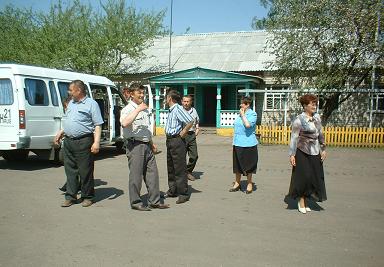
[168, 194]
[182, 200]
[159, 206]
[141, 208]
[63, 188]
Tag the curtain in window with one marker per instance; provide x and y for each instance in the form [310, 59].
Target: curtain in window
[6, 94]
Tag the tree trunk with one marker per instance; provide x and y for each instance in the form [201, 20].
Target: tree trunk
[331, 104]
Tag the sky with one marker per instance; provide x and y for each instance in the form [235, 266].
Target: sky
[201, 16]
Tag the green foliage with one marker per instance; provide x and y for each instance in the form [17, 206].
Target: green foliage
[325, 44]
[17, 28]
[76, 37]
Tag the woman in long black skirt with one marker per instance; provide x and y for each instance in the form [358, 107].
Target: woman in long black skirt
[307, 153]
[245, 155]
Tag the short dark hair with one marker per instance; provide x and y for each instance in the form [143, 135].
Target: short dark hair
[136, 87]
[81, 85]
[246, 100]
[188, 96]
[174, 95]
[308, 98]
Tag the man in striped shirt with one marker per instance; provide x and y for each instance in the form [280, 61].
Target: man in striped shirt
[176, 147]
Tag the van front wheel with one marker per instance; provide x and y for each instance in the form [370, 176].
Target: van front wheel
[15, 155]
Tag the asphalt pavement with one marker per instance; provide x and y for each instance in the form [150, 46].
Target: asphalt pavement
[214, 228]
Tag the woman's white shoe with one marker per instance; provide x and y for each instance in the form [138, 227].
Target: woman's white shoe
[302, 210]
[307, 209]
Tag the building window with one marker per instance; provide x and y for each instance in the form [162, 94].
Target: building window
[274, 101]
[377, 102]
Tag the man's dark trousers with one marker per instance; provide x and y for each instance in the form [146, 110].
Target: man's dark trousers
[78, 160]
[176, 165]
[191, 146]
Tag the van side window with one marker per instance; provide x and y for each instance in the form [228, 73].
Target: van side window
[36, 92]
[63, 90]
[6, 94]
[52, 90]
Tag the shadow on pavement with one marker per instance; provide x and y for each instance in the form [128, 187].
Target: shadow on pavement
[31, 164]
[107, 193]
[292, 204]
[35, 163]
[198, 174]
[98, 182]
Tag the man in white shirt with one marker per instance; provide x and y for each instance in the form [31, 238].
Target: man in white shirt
[190, 138]
[135, 120]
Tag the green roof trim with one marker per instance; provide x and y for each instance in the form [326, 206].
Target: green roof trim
[203, 75]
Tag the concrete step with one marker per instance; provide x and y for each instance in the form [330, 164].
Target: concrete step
[208, 130]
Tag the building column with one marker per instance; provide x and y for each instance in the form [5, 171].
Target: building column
[157, 98]
[185, 87]
[218, 105]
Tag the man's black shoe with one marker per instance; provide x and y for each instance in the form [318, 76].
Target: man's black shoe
[181, 200]
[159, 206]
[63, 188]
[166, 195]
[140, 208]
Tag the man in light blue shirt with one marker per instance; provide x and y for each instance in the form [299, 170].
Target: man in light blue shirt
[82, 131]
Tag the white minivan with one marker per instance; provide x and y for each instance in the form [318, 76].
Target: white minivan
[31, 109]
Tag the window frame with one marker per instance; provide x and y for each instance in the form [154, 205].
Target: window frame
[11, 91]
[276, 95]
[45, 92]
[53, 93]
[376, 104]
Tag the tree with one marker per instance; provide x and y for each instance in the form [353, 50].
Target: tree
[126, 33]
[330, 45]
[76, 37]
[18, 29]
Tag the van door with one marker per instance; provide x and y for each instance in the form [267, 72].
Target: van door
[41, 125]
[149, 102]
[118, 103]
[101, 96]
[9, 111]
[58, 111]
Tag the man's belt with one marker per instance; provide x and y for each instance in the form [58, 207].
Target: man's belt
[133, 140]
[79, 137]
[169, 136]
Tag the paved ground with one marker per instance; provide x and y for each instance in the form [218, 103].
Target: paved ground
[215, 228]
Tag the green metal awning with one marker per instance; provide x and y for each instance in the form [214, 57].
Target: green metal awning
[203, 76]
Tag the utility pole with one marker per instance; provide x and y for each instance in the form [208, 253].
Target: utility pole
[170, 41]
[373, 77]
